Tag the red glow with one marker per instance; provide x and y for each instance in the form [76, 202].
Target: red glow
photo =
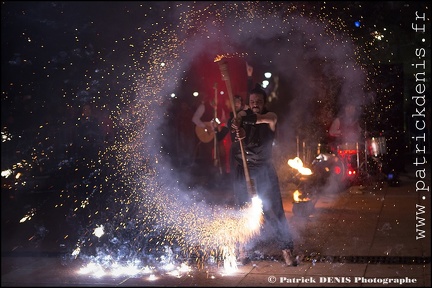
[337, 170]
[204, 74]
[347, 152]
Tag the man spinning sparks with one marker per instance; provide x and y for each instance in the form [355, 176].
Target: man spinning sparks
[256, 126]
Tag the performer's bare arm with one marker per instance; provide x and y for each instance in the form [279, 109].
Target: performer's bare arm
[269, 118]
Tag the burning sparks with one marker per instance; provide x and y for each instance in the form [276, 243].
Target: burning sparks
[76, 252]
[133, 269]
[6, 173]
[6, 136]
[29, 215]
[229, 55]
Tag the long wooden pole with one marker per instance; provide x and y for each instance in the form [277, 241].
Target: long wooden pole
[216, 152]
[223, 66]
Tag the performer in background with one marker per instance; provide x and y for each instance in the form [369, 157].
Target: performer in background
[345, 128]
[209, 129]
[347, 143]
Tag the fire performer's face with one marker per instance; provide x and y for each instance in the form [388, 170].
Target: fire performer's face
[256, 103]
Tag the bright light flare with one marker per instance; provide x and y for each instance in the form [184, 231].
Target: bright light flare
[115, 270]
[29, 215]
[92, 268]
[297, 164]
[99, 231]
[129, 270]
[25, 218]
[305, 171]
[377, 35]
[178, 272]
[230, 261]
[147, 270]
[296, 197]
[6, 136]
[76, 252]
[254, 214]
[6, 173]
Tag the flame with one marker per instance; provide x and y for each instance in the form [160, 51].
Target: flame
[297, 164]
[218, 58]
[297, 198]
[305, 171]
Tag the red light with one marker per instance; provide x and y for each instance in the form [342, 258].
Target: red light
[347, 152]
[337, 170]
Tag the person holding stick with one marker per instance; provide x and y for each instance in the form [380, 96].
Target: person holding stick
[256, 127]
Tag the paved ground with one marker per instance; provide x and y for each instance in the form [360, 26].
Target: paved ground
[364, 236]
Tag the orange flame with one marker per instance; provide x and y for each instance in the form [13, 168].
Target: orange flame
[228, 55]
[218, 58]
[297, 198]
